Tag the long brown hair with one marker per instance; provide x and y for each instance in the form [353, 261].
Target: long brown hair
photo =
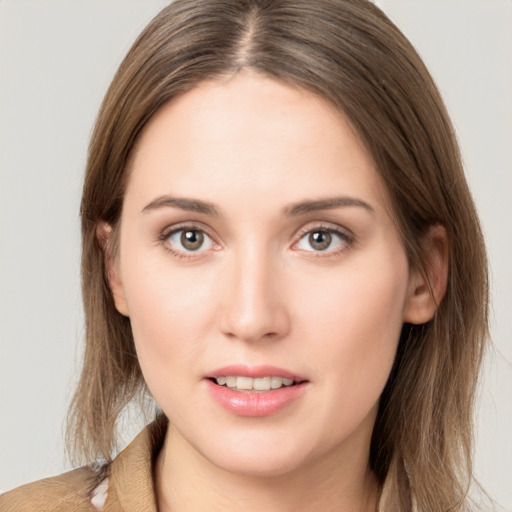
[351, 54]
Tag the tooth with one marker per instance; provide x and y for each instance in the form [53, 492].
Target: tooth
[276, 382]
[244, 382]
[262, 384]
[248, 383]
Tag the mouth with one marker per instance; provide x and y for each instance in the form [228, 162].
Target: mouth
[247, 384]
[255, 391]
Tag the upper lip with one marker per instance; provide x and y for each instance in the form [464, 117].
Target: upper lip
[254, 372]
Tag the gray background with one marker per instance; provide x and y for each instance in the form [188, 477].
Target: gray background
[56, 60]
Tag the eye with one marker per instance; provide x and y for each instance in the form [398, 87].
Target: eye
[323, 240]
[190, 240]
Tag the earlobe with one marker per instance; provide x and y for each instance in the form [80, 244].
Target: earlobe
[104, 233]
[426, 292]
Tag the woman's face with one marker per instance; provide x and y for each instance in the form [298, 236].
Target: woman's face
[257, 245]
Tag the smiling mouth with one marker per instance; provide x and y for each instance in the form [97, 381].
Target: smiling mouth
[257, 384]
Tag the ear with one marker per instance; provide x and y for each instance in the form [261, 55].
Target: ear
[426, 292]
[104, 234]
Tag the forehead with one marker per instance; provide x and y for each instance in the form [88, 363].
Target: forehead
[250, 134]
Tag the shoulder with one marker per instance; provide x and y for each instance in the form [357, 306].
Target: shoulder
[69, 491]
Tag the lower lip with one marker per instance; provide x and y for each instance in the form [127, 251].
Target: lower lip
[263, 403]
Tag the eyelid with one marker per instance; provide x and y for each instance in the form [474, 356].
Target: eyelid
[181, 226]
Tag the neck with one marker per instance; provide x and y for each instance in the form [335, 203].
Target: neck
[186, 482]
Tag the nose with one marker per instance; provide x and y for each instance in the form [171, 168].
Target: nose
[255, 307]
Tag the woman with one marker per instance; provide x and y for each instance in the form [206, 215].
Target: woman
[279, 245]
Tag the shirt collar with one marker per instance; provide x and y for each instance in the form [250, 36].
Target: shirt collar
[131, 486]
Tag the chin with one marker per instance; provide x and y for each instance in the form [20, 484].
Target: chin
[258, 465]
[257, 456]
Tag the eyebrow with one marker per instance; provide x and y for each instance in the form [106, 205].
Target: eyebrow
[182, 203]
[300, 208]
[326, 204]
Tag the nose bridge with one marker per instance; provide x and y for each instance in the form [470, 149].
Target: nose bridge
[254, 308]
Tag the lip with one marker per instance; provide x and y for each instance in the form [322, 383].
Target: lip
[257, 404]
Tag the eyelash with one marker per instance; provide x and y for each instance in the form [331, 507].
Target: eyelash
[347, 240]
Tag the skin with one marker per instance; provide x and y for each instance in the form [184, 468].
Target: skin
[259, 292]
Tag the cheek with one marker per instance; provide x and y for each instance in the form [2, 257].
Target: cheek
[170, 318]
[355, 321]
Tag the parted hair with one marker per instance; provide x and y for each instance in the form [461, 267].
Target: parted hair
[349, 53]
